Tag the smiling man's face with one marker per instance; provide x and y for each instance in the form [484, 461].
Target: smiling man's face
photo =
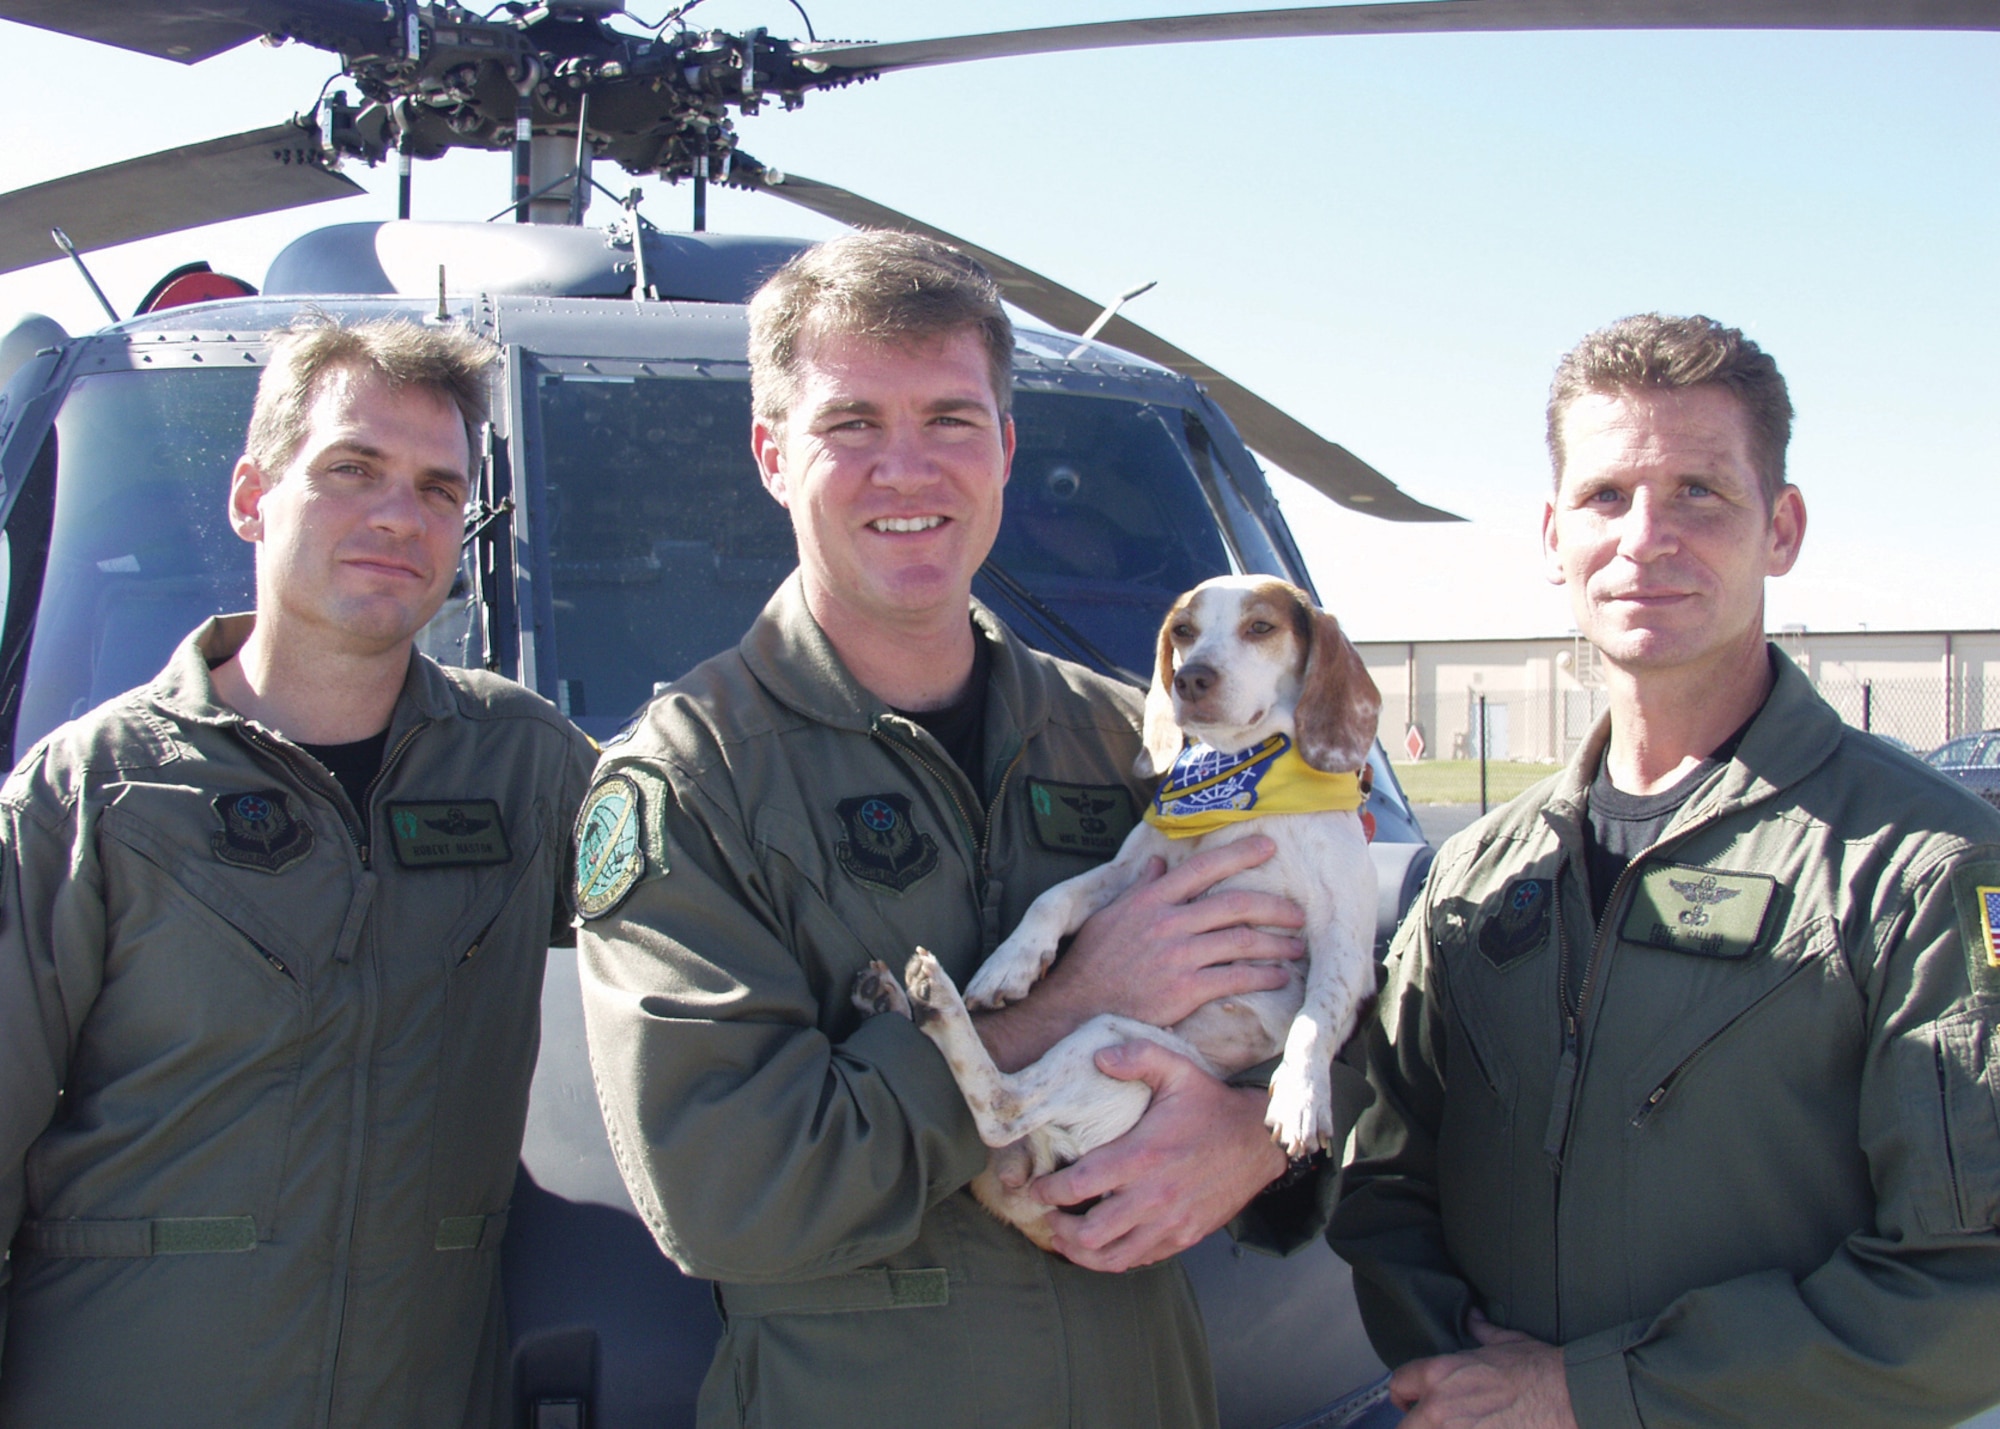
[358, 537]
[892, 462]
[1661, 531]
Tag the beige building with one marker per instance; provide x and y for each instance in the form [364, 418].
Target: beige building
[1541, 695]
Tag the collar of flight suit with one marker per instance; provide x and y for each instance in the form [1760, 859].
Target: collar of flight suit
[185, 689]
[1792, 735]
[791, 657]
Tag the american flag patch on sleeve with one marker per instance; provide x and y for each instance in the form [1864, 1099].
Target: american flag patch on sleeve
[1989, 921]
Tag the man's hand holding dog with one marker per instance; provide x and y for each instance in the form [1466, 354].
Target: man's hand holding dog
[1195, 1159]
[1156, 953]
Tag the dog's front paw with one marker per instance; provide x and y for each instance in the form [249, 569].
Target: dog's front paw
[876, 990]
[1300, 1113]
[1016, 966]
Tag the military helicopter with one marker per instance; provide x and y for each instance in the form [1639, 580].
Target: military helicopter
[616, 477]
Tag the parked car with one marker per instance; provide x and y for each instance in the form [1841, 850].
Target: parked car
[1973, 760]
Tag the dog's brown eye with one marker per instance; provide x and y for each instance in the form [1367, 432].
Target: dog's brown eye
[1261, 627]
[1183, 631]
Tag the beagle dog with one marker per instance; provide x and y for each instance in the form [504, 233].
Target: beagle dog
[1259, 720]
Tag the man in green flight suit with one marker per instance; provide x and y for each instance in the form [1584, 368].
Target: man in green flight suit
[881, 764]
[1686, 1110]
[272, 930]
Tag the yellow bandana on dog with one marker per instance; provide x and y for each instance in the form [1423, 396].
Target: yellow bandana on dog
[1207, 789]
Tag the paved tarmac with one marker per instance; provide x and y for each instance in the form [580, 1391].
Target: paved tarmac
[1440, 821]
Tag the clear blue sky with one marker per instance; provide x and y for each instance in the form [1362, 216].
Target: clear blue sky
[1391, 237]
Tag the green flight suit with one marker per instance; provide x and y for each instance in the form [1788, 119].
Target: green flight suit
[264, 1057]
[1759, 1183]
[808, 1158]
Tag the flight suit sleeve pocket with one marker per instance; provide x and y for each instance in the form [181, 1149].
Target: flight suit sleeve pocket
[1949, 1078]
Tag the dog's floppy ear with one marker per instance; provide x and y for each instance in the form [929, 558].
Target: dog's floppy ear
[1159, 731]
[1338, 703]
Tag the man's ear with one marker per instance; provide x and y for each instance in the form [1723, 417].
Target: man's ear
[247, 489]
[1007, 447]
[768, 448]
[1551, 557]
[1788, 530]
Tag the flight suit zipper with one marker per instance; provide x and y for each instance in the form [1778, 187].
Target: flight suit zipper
[309, 773]
[1562, 1102]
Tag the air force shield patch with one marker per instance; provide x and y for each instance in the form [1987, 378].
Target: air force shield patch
[260, 830]
[1519, 923]
[879, 843]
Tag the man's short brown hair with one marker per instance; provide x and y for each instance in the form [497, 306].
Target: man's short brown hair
[881, 285]
[1648, 352]
[449, 362]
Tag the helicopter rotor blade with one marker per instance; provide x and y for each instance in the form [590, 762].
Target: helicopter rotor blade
[1325, 466]
[258, 172]
[1419, 17]
[191, 30]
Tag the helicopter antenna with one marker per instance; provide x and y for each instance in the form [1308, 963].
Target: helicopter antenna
[579, 189]
[1090, 333]
[62, 242]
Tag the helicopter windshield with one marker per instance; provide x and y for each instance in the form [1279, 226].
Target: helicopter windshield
[140, 550]
[663, 544]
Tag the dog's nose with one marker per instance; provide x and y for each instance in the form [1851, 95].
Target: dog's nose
[1193, 682]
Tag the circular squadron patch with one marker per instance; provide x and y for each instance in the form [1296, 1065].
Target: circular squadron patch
[610, 856]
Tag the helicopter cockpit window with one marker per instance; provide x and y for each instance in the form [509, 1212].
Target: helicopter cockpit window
[141, 550]
[1105, 525]
[663, 544]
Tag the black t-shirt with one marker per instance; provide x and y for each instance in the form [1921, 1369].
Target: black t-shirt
[961, 725]
[1621, 826]
[354, 766]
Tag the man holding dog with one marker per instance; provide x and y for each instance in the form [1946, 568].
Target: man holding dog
[881, 764]
[1686, 1110]
[272, 931]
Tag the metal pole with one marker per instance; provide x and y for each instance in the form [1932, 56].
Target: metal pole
[701, 187]
[1867, 704]
[1482, 754]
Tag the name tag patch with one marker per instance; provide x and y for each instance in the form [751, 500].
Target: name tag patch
[447, 833]
[1090, 819]
[1699, 910]
[260, 830]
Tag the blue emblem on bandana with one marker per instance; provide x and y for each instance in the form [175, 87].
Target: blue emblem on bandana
[1204, 779]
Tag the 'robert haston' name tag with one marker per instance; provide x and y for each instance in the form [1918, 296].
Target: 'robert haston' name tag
[448, 833]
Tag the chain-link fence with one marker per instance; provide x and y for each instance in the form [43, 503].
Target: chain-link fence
[1922, 713]
[1540, 725]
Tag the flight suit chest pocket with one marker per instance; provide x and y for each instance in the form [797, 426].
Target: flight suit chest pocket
[175, 854]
